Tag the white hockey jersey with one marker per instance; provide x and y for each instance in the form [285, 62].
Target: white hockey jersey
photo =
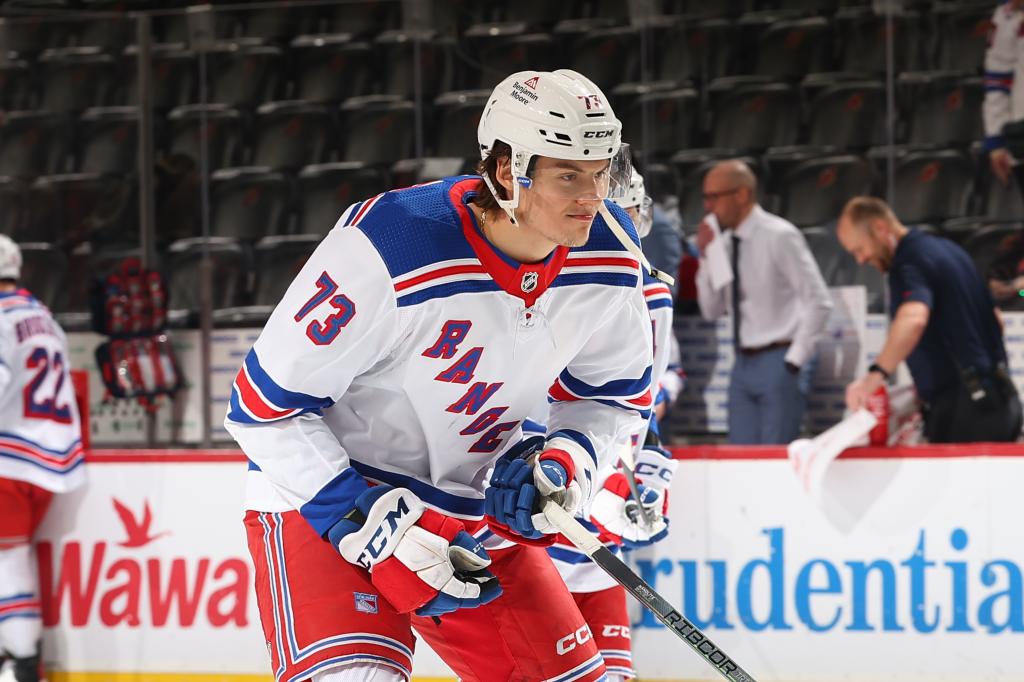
[40, 433]
[1004, 78]
[577, 570]
[409, 351]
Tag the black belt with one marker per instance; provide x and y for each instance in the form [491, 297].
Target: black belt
[761, 349]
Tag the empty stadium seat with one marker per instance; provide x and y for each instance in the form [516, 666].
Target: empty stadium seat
[32, 143]
[507, 48]
[1003, 202]
[409, 172]
[750, 115]
[292, 134]
[108, 140]
[74, 79]
[659, 122]
[364, 18]
[398, 49]
[779, 161]
[863, 37]
[110, 33]
[942, 108]
[986, 244]
[849, 115]
[325, 190]
[223, 134]
[331, 68]
[536, 13]
[697, 50]
[228, 275]
[792, 48]
[172, 82]
[174, 28]
[29, 35]
[963, 34]
[43, 270]
[245, 75]
[379, 129]
[932, 186]
[608, 56]
[17, 86]
[816, 191]
[459, 114]
[276, 262]
[277, 22]
[248, 203]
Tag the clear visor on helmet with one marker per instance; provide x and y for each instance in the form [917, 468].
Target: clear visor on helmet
[644, 217]
[582, 180]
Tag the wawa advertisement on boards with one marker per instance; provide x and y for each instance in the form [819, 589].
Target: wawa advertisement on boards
[901, 564]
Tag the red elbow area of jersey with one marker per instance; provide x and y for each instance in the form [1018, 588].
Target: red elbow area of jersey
[563, 458]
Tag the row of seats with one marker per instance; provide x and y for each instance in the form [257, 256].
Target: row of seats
[250, 279]
[809, 186]
[743, 114]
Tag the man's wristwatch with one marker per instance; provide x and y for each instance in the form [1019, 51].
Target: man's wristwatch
[875, 367]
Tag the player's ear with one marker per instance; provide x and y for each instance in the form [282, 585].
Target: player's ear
[503, 174]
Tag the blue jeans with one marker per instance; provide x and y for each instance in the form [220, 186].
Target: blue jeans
[766, 401]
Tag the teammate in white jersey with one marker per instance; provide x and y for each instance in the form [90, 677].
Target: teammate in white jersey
[601, 600]
[1004, 84]
[40, 453]
[399, 368]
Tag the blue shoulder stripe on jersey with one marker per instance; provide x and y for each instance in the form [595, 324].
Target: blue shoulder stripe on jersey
[334, 500]
[469, 286]
[283, 398]
[253, 466]
[613, 279]
[530, 426]
[626, 388]
[50, 451]
[415, 227]
[654, 304]
[579, 438]
[465, 506]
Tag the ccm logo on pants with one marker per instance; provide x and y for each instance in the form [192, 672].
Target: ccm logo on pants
[569, 642]
[615, 631]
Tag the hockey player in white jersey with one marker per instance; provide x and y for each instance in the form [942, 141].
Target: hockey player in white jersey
[400, 366]
[40, 453]
[612, 514]
[1004, 84]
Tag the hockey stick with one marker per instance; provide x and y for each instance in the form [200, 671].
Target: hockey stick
[635, 585]
[628, 460]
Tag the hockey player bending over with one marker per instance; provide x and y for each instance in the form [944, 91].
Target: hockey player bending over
[40, 453]
[401, 364]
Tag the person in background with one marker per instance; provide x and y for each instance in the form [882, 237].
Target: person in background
[40, 453]
[944, 324]
[1004, 93]
[782, 303]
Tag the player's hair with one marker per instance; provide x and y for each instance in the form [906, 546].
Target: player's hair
[860, 211]
[489, 166]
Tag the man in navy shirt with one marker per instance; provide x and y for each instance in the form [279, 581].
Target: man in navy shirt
[944, 324]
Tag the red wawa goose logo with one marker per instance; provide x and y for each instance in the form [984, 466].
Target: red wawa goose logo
[137, 531]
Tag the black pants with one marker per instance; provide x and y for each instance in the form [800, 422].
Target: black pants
[952, 417]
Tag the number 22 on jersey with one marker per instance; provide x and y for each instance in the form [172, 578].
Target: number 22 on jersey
[40, 399]
[323, 332]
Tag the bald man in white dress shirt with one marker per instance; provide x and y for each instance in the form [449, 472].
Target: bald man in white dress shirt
[783, 307]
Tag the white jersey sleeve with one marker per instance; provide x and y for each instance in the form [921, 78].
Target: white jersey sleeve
[336, 320]
[659, 304]
[604, 395]
[1000, 66]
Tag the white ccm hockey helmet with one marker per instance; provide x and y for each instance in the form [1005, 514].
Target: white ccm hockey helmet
[636, 197]
[560, 114]
[10, 258]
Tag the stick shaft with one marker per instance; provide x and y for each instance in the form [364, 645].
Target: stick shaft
[645, 594]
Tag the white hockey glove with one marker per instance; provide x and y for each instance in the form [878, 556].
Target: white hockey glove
[419, 559]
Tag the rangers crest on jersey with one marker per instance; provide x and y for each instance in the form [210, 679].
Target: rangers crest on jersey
[529, 282]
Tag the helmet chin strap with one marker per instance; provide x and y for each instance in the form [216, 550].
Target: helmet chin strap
[508, 205]
[620, 234]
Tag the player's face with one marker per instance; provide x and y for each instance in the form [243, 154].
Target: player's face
[867, 246]
[563, 199]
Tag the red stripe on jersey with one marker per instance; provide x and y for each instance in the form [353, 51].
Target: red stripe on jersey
[42, 455]
[21, 605]
[437, 274]
[253, 402]
[366, 207]
[661, 290]
[587, 262]
[643, 401]
[558, 392]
